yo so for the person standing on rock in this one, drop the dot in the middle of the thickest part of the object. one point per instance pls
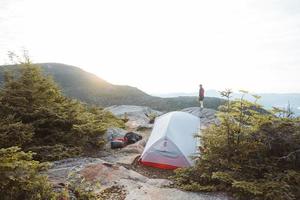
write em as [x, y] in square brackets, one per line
[201, 95]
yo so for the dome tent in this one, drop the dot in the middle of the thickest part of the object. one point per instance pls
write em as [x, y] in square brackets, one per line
[172, 141]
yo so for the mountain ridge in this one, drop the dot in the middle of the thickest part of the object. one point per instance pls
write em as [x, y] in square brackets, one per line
[89, 88]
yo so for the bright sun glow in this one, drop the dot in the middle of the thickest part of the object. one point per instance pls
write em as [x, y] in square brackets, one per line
[163, 46]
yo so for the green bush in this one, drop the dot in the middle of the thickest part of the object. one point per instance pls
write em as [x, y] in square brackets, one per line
[55, 152]
[14, 133]
[251, 154]
[20, 177]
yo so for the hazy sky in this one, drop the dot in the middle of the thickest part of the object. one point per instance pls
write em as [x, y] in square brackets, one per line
[163, 46]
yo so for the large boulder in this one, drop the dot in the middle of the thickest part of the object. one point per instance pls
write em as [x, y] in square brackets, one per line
[207, 116]
[138, 116]
[103, 176]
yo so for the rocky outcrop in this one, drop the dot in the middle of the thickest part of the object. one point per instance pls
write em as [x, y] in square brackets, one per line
[138, 116]
[108, 175]
[207, 116]
[112, 177]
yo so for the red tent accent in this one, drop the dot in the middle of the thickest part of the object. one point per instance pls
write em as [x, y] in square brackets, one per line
[159, 165]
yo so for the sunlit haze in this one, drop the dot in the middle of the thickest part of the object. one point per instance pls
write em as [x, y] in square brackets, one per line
[163, 46]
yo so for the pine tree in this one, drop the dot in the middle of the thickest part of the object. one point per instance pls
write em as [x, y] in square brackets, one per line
[36, 116]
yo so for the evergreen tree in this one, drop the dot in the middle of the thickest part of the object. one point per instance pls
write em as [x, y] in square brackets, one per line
[36, 116]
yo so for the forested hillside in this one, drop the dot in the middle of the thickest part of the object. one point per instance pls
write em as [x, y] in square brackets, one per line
[91, 89]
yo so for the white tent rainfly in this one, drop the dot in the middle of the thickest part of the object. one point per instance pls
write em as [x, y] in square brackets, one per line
[172, 142]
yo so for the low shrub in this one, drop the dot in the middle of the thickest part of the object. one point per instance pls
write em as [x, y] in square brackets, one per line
[20, 176]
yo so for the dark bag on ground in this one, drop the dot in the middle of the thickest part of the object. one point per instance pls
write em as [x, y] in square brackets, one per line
[118, 143]
[132, 137]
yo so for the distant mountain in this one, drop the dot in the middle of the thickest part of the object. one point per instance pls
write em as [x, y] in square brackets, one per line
[89, 88]
[268, 100]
